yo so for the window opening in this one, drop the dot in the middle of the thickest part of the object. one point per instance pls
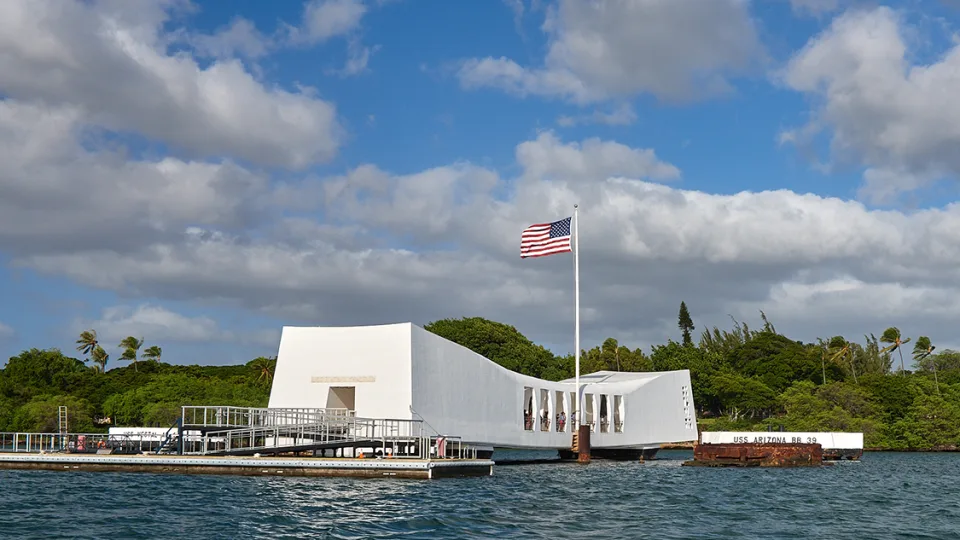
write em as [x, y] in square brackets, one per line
[561, 419]
[528, 408]
[574, 410]
[618, 414]
[589, 410]
[604, 418]
[544, 410]
[342, 397]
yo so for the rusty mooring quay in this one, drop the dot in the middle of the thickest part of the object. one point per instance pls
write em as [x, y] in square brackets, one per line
[252, 466]
[757, 455]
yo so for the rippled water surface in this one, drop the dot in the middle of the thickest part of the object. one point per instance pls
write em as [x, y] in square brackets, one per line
[884, 496]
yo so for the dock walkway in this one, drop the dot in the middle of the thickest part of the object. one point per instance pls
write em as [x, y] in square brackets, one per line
[243, 431]
[252, 466]
[245, 440]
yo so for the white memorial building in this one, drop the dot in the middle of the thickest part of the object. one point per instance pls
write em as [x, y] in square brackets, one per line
[401, 371]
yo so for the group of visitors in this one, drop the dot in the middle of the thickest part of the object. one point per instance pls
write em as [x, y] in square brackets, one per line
[561, 421]
[544, 417]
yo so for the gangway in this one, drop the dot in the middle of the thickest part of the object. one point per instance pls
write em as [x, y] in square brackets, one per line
[241, 431]
[206, 418]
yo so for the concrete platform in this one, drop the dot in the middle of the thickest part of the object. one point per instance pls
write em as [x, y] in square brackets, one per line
[252, 466]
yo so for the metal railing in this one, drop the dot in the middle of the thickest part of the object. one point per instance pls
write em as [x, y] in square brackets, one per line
[207, 416]
[394, 438]
[330, 431]
[208, 430]
[73, 442]
[32, 442]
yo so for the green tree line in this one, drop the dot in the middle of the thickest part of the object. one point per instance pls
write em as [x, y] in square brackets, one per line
[145, 392]
[758, 379]
[743, 379]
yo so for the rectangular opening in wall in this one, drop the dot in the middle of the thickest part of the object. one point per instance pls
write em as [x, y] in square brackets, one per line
[687, 411]
[618, 414]
[342, 397]
[574, 410]
[528, 408]
[588, 406]
[604, 414]
[544, 410]
[561, 415]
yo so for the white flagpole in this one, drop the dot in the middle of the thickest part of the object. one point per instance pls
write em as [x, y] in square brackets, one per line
[576, 296]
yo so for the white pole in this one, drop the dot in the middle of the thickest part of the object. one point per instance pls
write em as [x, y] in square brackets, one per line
[576, 297]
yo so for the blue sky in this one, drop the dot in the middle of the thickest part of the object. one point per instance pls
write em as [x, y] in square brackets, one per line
[212, 171]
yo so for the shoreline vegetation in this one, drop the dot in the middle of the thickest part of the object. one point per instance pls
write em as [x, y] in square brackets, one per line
[747, 379]
[744, 379]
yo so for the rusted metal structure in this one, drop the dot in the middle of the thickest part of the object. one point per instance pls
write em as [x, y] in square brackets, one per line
[582, 444]
[841, 454]
[836, 445]
[757, 455]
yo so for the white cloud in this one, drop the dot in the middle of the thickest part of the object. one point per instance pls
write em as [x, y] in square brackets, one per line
[154, 321]
[358, 56]
[324, 19]
[321, 21]
[895, 118]
[6, 332]
[239, 38]
[108, 62]
[370, 246]
[623, 115]
[444, 243]
[56, 194]
[517, 7]
[815, 7]
[592, 160]
[157, 324]
[622, 48]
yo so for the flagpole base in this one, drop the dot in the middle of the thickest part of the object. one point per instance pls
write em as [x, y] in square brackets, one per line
[583, 444]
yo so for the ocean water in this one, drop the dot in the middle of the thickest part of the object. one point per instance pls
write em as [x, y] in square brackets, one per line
[883, 496]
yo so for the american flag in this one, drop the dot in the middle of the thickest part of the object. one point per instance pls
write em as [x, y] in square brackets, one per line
[545, 239]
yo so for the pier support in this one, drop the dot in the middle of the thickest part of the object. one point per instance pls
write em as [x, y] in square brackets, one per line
[583, 444]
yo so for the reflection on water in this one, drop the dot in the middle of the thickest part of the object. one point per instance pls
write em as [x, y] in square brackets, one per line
[884, 496]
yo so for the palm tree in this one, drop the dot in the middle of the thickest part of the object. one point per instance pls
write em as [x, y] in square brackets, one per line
[129, 355]
[100, 358]
[131, 346]
[870, 359]
[922, 349]
[152, 352]
[843, 350]
[88, 341]
[892, 336]
[823, 360]
[610, 348]
[264, 367]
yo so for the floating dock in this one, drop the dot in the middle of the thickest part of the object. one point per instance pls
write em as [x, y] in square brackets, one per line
[252, 466]
[254, 441]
